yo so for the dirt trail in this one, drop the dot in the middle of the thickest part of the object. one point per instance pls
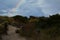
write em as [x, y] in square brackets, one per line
[12, 35]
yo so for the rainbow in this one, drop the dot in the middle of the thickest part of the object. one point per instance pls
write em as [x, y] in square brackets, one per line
[13, 10]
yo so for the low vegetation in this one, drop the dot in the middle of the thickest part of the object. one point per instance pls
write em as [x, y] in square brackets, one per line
[36, 28]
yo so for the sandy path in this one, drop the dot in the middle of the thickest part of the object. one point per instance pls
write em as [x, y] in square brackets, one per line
[12, 35]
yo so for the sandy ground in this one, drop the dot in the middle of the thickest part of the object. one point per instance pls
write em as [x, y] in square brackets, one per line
[12, 35]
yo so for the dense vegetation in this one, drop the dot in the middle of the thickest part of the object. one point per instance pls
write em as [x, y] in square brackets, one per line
[37, 28]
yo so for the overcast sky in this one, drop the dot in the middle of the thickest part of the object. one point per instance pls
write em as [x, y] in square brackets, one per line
[29, 7]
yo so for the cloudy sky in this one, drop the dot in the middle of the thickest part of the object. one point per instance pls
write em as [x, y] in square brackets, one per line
[29, 7]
